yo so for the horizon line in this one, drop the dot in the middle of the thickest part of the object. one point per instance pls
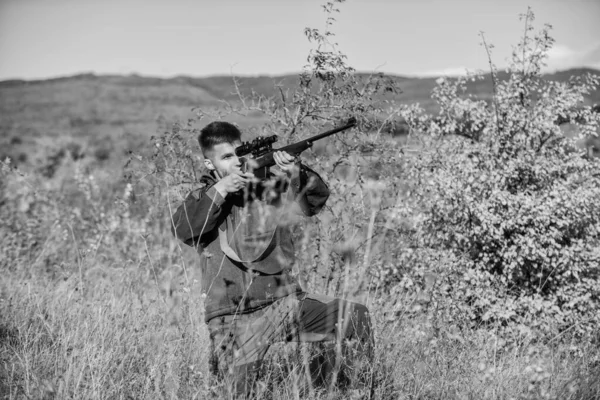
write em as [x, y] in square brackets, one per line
[425, 75]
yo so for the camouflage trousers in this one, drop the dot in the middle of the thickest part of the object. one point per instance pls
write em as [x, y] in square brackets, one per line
[240, 342]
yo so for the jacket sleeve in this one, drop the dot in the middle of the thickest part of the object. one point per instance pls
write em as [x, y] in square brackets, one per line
[309, 191]
[197, 218]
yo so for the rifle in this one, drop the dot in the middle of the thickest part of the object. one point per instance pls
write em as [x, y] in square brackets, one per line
[262, 150]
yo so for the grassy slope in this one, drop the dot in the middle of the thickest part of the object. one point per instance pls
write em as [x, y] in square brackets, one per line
[114, 105]
[106, 311]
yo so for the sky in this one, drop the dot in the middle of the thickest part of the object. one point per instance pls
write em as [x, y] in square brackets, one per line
[51, 38]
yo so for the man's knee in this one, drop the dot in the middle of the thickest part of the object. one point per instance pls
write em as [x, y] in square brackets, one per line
[362, 320]
[357, 321]
[361, 312]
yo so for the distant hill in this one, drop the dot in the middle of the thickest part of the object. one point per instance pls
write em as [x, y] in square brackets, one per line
[112, 108]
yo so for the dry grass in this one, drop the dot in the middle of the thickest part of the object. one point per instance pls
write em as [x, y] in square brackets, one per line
[117, 334]
[97, 301]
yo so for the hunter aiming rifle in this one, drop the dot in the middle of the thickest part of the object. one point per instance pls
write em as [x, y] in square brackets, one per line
[261, 149]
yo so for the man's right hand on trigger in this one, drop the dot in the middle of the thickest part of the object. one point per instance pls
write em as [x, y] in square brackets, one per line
[233, 182]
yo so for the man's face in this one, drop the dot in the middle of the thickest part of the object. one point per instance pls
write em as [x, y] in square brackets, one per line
[222, 158]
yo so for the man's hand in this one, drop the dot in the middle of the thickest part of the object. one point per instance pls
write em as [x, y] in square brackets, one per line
[285, 162]
[233, 182]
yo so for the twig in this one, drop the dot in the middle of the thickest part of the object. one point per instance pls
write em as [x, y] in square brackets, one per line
[494, 81]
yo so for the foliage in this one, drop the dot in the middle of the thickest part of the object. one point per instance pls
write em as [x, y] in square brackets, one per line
[474, 242]
[505, 194]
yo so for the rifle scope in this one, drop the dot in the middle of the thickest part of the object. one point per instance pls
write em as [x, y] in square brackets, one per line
[256, 146]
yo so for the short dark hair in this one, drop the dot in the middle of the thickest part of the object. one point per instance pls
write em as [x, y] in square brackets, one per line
[217, 132]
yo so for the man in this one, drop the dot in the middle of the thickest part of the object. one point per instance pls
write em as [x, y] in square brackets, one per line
[241, 229]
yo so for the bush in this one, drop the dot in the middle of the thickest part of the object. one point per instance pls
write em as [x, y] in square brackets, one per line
[510, 199]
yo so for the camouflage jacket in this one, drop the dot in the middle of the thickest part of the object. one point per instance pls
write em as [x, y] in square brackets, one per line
[244, 240]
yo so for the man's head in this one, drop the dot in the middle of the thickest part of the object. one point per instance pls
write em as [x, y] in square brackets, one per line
[218, 141]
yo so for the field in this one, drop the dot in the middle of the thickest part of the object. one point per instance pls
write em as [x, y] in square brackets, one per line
[105, 116]
[99, 301]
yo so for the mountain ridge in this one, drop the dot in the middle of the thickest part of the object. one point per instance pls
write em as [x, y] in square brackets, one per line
[218, 88]
[92, 75]
[138, 78]
[114, 112]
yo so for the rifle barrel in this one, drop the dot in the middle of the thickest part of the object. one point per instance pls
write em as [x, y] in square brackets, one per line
[266, 160]
[350, 124]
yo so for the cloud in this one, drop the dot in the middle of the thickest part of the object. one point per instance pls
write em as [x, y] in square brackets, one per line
[560, 57]
[452, 71]
[592, 57]
[564, 57]
[561, 52]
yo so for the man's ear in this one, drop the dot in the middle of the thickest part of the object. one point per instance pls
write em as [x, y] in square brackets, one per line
[209, 164]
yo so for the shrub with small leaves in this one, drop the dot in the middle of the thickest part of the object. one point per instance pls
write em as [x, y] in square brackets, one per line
[511, 197]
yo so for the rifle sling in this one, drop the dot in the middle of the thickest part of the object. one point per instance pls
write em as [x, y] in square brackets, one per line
[229, 252]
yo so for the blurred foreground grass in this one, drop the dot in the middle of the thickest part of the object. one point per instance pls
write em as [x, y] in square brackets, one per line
[120, 333]
[98, 301]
